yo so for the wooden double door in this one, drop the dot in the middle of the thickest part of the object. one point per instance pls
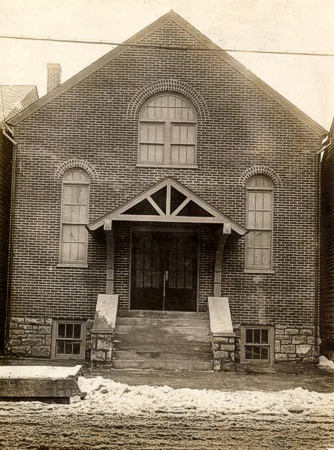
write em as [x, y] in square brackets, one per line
[164, 271]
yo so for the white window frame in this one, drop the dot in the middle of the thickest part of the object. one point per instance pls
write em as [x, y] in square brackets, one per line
[269, 345]
[167, 135]
[260, 189]
[56, 337]
[69, 263]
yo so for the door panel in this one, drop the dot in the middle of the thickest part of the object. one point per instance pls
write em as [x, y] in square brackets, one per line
[164, 271]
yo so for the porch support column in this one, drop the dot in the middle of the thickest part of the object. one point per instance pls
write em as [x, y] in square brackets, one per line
[222, 234]
[110, 256]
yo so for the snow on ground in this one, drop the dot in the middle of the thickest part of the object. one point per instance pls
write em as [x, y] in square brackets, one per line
[38, 372]
[324, 362]
[110, 397]
[105, 396]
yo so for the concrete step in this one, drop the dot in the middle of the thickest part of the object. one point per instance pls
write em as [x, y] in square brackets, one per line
[170, 338]
[162, 364]
[144, 354]
[163, 321]
[164, 347]
[157, 330]
[163, 314]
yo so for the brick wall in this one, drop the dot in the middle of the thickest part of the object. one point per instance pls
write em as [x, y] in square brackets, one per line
[5, 183]
[327, 248]
[242, 127]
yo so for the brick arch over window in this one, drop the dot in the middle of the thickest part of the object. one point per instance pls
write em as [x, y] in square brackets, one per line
[173, 86]
[260, 170]
[76, 164]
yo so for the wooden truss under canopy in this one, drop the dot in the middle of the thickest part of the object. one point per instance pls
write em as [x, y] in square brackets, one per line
[168, 201]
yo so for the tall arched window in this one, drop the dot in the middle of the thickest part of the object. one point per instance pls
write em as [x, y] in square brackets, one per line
[167, 132]
[260, 192]
[74, 218]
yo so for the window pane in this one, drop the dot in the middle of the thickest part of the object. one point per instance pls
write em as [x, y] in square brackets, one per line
[60, 347]
[264, 352]
[69, 330]
[76, 348]
[249, 336]
[68, 348]
[264, 337]
[257, 338]
[77, 331]
[248, 352]
[61, 330]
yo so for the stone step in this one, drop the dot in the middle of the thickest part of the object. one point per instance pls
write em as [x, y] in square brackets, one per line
[164, 321]
[157, 330]
[144, 354]
[167, 347]
[163, 314]
[170, 338]
[162, 364]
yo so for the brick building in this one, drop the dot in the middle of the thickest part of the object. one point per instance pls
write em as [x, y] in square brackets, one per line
[160, 180]
[13, 98]
[327, 248]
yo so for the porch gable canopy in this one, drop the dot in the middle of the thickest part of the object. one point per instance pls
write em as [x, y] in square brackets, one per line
[167, 201]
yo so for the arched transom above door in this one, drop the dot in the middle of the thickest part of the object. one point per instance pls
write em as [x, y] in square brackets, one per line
[167, 201]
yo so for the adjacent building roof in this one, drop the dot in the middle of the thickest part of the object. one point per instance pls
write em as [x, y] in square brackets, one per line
[172, 16]
[14, 98]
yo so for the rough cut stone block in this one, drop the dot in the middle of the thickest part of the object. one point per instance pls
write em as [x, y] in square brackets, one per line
[291, 331]
[48, 322]
[298, 339]
[303, 350]
[44, 329]
[306, 331]
[98, 355]
[40, 351]
[17, 320]
[221, 355]
[216, 365]
[32, 341]
[215, 346]
[21, 350]
[288, 349]
[310, 340]
[35, 320]
[227, 347]
[281, 357]
[277, 346]
[104, 343]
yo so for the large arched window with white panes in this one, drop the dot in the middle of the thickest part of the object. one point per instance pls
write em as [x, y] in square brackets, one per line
[167, 132]
[260, 196]
[74, 217]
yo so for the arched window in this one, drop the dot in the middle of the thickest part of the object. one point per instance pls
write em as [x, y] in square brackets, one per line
[167, 132]
[74, 217]
[260, 192]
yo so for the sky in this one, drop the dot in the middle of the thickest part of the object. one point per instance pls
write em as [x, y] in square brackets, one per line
[276, 25]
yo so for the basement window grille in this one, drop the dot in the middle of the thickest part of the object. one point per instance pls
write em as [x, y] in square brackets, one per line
[68, 340]
[257, 344]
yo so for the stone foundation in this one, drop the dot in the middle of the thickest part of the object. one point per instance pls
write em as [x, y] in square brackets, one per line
[30, 337]
[102, 344]
[223, 348]
[296, 344]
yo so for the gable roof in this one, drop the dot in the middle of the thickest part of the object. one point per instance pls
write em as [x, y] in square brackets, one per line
[173, 16]
[14, 98]
[167, 201]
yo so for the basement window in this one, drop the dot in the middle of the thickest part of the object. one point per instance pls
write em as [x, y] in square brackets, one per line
[257, 344]
[68, 339]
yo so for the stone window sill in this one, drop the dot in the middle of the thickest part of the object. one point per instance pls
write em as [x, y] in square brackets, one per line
[259, 271]
[72, 266]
